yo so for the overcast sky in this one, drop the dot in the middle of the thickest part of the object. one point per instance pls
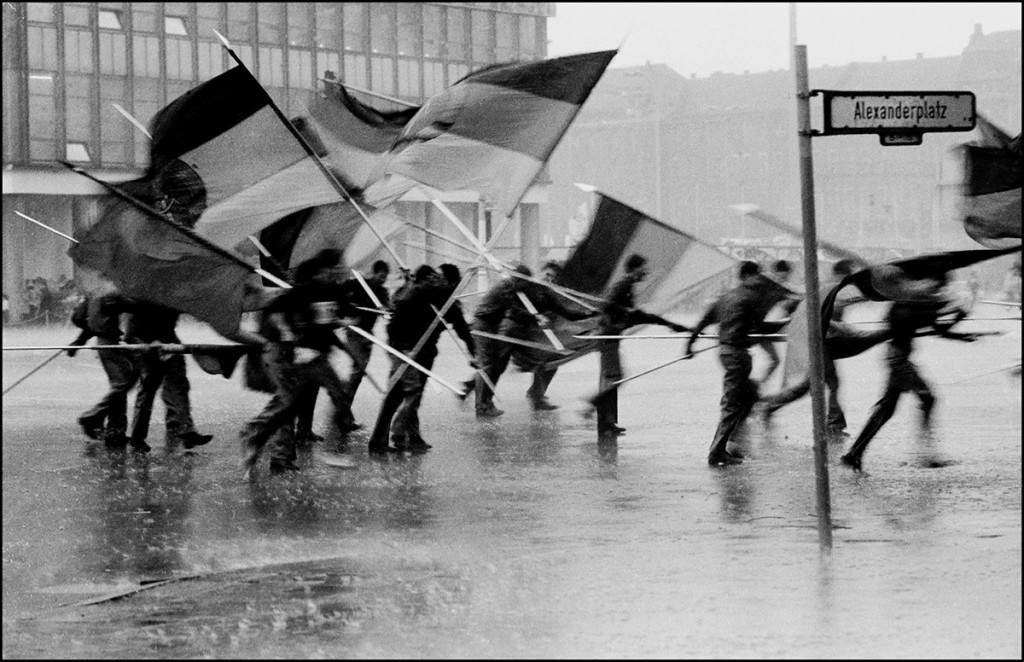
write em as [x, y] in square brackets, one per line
[703, 38]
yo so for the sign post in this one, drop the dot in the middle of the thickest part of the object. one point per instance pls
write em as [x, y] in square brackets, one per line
[898, 118]
[813, 300]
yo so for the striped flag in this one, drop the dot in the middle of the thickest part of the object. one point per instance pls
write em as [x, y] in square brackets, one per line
[252, 168]
[150, 261]
[356, 136]
[990, 206]
[677, 262]
[492, 131]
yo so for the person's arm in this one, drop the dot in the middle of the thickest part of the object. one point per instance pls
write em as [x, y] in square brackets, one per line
[637, 317]
[458, 322]
[710, 317]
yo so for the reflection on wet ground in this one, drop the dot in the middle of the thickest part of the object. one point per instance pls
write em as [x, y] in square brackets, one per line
[522, 536]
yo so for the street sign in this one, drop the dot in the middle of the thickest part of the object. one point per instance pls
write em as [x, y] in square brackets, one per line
[897, 112]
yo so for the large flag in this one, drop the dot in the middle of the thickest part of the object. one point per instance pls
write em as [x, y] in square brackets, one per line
[676, 261]
[146, 259]
[253, 169]
[898, 280]
[990, 206]
[356, 136]
[492, 131]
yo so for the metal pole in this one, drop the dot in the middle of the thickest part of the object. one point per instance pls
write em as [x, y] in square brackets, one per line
[813, 299]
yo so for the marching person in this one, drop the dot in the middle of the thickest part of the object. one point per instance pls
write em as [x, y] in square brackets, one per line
[836, 344]
[781, 298]
[492, 354]
[414, 309]
[299, 332]
[99, 317]
[917, 304]
[739, 313]
[619, 313]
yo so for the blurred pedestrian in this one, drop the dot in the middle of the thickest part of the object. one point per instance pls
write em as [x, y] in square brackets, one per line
[739, 313]
[618, 314]
[777, 298]
[100, 316]
[917, 304]
[300, 333]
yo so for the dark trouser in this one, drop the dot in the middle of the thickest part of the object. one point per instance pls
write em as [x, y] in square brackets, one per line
[773, 359]
[359, 350]
[541, 379]
[295, 382]
[165, 373]
[399, 413]
[903, 376]
[607, 402]
[123, 374]
[739, 394]
[492, 356]
[836, 417]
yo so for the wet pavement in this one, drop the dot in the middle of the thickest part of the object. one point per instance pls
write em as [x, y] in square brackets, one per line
[522, 536]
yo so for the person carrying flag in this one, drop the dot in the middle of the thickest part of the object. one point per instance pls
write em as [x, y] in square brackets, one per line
[619, 313]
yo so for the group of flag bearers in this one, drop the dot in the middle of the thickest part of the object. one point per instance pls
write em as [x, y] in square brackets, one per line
[173, 238]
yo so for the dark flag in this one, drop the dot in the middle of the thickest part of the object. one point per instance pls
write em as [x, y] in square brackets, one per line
[146, 259]
[991, 202]
[492, 131]
[253, 169]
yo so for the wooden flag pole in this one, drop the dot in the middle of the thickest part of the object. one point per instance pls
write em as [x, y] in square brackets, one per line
[33, 371]
[44, 225]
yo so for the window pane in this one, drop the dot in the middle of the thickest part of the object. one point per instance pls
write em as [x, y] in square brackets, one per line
[240, 21]
[109, 20]
[175, 25]
[433, 31]
[410, 29]
[143, 16]
[114, 129]
[211, 60]
[77, 152]
[76, 13]
[483, 46]
[506, 28]
[382, 28]
[40, 11]
[42, 125]
[209, 19]
[179, 59]
[78, 108]
[355, 70]
[146, 56]
[354, 24]
[300, 31]
[382, 71]
[409, 79]
[42, 48]
[300, 69]
[433, 78]
[113, 55]
[270, 18]
[457, 41]
[78, 50]
[271, 66]
[328, 26]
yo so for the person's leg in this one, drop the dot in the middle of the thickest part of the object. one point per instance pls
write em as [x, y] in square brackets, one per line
[382, 426]
[773, 360]
[607, 401]
[880, 414]
[836, 416]
[494, 356]
[537, 394]
[151, 376]
[734, 402]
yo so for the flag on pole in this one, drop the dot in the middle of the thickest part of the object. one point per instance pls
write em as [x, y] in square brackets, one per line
[492, 131]
[253, 169]
[148, 260]
[990, 207]
[676, 261]
[355, 135]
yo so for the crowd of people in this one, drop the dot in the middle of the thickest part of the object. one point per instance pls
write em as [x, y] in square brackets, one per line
[43, 303]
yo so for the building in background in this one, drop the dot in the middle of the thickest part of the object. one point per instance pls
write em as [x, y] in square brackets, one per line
[687, 149]
[66, 64]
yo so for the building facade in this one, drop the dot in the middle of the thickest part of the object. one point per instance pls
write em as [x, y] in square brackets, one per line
[66, 65]
[688, 149]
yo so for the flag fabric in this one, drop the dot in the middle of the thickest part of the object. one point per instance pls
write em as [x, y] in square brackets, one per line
[355, 135]
[898, 280]
[492, 131]
[146, 259]
[676, 261]
[253, 169]
[990, 206]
